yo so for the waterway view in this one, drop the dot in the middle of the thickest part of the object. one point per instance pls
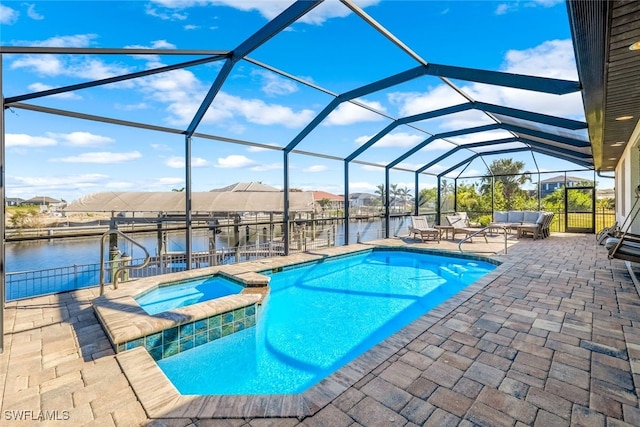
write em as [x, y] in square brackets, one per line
[37, 267]
[62, 252]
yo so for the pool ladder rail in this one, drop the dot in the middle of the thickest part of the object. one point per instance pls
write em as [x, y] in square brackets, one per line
[122, 268]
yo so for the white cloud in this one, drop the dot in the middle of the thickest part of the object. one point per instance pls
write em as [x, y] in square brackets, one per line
[259, 149]
[191, 27]
[31, 12]
[54, 65]
[412, 103]
[67, 184]
[164, 15]
[268, 9]
[68, 65]
[235, 161]
[259, 112]
[103, 157]
[553, 59]
[23, 140]
[361, 187]
[40, 87]
[398, 139]
[81, 139]
[348, 113]
[49, 65]
[267, 167]
[371, 168]
[505, 8]
[332, 9]
[410, 166]
[274, 85]
[132, 107]
[120, 185]
[163, 182]
[514, 6]
[315, 168]
[183, 92]
[78, 40]
[481, 136]
[160, 147]
[152, 60]
[8, 16]
[178, 162]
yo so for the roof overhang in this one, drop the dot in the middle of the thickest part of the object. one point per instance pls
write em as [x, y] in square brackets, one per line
[602, 33]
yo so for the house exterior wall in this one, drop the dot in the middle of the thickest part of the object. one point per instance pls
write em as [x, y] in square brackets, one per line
[627, 179]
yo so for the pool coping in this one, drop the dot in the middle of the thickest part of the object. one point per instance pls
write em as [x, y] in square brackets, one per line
[160, 398]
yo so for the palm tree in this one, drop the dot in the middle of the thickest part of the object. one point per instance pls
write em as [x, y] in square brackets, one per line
[445, 189]
[393, 193]
[405, 195]
[380, 190]
[510, 174]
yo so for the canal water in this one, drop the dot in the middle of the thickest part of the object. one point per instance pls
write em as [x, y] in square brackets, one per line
[65, 252]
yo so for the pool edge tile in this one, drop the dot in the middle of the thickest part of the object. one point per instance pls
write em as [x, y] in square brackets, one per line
[161, 398]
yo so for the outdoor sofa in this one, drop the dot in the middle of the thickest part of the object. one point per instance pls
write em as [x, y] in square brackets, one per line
[535, 223]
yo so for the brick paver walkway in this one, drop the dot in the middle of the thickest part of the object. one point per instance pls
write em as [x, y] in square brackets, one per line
[553, 340]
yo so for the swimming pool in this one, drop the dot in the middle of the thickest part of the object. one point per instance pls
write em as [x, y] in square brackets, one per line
[320, 316]
[185, 293]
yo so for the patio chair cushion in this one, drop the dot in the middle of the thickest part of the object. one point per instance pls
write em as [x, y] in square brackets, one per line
[530, 217]
[454, 220]
[541, 217]
[515, 216]
[499, 216]
[612, 241]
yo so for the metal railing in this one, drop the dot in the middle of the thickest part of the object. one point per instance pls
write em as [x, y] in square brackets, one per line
[328, 232]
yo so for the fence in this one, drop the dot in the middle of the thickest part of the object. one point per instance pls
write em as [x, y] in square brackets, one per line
[305, 235]
[48, 281]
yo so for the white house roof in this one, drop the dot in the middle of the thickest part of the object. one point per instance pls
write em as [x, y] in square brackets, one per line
[174, 202]
[247, 186]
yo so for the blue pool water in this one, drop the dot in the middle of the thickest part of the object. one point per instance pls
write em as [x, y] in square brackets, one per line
[182, 294]
[318, 318]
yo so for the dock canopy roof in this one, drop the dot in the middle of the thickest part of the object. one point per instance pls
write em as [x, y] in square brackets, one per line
[174, 202]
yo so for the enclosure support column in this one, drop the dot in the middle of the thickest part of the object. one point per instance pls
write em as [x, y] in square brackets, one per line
[346, 202]
[387, 221]
[455, 195]
[438, 201]
[416, 207]
[540, 198]
[187, 207]
[493, 201]
[2, 218]
[285, 215]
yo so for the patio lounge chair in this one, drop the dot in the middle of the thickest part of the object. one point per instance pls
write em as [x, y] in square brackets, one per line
[465, 219]
[460, 226]
[626, 247]
[605, 233]
[420, 226]
[538, 229]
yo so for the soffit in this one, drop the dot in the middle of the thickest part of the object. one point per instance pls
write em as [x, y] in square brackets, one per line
[602, 33]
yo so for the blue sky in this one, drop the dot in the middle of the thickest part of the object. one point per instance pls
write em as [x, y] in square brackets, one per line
[330, 47]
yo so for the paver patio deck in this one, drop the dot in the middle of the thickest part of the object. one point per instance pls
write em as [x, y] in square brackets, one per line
[553, 339]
